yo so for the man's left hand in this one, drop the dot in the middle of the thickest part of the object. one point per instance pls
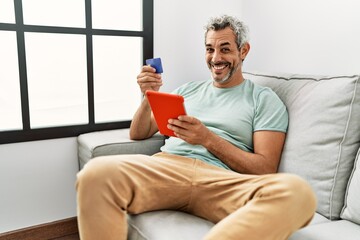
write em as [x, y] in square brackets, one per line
[189, 129]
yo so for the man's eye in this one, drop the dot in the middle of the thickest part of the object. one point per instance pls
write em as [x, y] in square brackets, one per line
[225, 50]
[210, 50]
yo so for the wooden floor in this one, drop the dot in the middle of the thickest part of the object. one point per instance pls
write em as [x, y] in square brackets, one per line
[65, 229]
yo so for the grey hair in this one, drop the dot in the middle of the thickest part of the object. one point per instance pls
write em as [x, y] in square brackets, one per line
[240, 30]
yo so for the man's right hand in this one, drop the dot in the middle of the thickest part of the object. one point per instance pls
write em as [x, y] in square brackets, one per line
[143, 124]
[148, 79]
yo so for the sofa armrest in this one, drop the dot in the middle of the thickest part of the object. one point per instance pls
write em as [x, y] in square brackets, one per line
[113, 142]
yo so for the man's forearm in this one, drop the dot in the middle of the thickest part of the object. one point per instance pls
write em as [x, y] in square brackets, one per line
[236, 158]
[141, 126]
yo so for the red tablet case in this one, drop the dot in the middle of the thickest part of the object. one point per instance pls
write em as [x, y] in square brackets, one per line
[165, 106]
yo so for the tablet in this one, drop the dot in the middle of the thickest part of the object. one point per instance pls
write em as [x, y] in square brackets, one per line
[164, 107]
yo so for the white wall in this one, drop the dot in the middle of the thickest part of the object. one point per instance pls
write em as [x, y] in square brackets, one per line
[308, 36]
[37, 182]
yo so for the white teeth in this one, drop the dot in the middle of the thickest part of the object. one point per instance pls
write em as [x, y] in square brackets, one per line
[219, 67]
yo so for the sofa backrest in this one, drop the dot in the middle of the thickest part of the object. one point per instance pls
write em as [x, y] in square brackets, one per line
[324, 131]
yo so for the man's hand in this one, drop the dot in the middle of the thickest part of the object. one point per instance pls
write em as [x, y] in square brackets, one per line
[143, 124]
[189, 129]
[148, 79]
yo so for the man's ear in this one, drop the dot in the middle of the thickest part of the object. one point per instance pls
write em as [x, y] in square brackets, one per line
[244, 51]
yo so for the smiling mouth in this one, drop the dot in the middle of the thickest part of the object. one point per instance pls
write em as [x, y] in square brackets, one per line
[219, 66]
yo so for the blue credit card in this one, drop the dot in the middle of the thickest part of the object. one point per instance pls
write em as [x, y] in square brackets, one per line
[155, 63]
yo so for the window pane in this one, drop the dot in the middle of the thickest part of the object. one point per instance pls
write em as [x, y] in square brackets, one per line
[117, 14]
[51, 13]
[117, 62]
[10, 104]
[7, 12]
[57, 79]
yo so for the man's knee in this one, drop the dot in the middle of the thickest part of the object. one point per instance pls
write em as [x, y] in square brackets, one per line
[102, 173]
[298, 192]
[94, 172]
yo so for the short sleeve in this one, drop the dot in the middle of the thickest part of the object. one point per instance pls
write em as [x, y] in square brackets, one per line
[270, 112]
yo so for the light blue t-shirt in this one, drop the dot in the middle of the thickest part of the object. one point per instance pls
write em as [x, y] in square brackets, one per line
[232, 113]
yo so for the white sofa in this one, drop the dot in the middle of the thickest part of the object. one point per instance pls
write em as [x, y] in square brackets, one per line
[322, 146]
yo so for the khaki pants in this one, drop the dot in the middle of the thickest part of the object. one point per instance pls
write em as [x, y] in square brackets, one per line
[243, 206]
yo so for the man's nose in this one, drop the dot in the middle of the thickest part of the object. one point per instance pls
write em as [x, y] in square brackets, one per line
[216, 57]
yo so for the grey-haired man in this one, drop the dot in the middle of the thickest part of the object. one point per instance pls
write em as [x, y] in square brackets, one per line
[221, 165]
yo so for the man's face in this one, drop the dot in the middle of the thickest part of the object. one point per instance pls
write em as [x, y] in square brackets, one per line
[222, 55]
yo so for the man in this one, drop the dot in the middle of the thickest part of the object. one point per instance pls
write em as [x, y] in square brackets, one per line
[221, 166]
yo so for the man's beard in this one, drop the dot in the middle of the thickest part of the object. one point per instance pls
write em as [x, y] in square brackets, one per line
[227, 77]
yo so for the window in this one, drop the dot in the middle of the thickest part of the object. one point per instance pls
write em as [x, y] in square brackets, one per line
[70, 66]
[10, 110]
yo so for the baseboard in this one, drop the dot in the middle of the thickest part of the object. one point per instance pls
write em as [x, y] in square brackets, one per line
[44, 231]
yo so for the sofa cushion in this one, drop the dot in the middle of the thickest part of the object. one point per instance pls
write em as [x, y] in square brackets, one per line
[174, 225]
[324, 131]
[114, 142]
[166, 224]
[334, 230]
[351, 209]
